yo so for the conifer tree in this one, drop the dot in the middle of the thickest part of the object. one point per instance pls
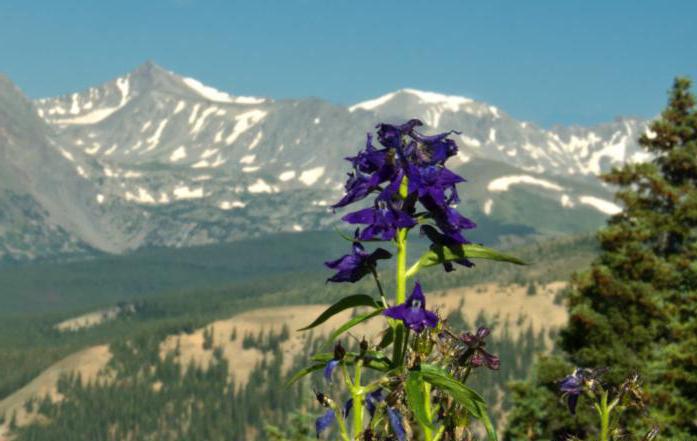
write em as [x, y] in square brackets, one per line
[634, 309]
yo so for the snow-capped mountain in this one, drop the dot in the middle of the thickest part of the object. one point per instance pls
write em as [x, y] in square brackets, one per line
[169, 161]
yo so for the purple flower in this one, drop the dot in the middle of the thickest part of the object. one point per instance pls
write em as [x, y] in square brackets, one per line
[383, 221]
[352, 267]
[339, 353]
[432, 182]
[476, 355]
[322, 423]
[572, 386]
[413, 312]
[391, 135]
[396, 423]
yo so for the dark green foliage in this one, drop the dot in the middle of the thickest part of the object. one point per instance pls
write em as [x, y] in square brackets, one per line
[634, 309]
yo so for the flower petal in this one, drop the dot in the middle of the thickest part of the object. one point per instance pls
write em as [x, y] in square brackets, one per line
[323, 422]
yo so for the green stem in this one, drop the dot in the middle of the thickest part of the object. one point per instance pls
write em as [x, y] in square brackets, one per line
[377, 281]
[401, 279]
[357, 394]
[604, 413]
[439, 433]
[428, 433]
[340, 422]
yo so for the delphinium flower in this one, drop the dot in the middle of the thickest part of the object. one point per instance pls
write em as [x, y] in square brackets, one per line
[413, 312]
[572, 386]
[406, 155]
[339, 353]
[353, 267]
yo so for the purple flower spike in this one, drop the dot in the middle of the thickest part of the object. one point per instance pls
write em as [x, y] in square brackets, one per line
[413, 312]
[322, 423]
[352, 267]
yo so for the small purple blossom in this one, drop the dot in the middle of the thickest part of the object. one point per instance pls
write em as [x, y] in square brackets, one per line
[353, 267]
[475, 354]
[383, 221]
[413, 312]
[572, 386]
[322, 423]
[396, 423]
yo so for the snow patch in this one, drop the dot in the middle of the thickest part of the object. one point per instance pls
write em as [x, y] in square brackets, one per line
[180, 107]
[95, 148]
[208, 153]
[184, 192]
[255, 141]
[247, 159]
[229, 205]
[178, 154]
[213, 94]
[260, 186]
[286, 175]
[470, 141]
[202, 119]
[309, 177]
[503, 183]
[143, 197]
[154, 140]
[316, 121]
[67, 155]
[488, 205]
[599, 204]
[297, 227]
[100, 198]
[250, 169]
[566, 201]
[243, 122]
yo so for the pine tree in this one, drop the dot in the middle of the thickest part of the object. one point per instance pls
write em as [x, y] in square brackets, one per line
[634, 309]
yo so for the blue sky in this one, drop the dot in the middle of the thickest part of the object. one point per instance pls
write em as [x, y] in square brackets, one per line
[546, 61]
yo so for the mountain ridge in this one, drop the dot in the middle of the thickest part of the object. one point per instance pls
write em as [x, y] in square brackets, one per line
[173, 162]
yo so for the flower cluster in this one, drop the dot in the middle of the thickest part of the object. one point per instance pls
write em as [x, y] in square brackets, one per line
[409, 168]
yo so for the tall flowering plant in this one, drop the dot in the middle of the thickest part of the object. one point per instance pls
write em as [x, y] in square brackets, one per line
[420, 365]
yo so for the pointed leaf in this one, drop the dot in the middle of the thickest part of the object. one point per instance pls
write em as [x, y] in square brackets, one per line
[441, 254]
[415, 398]
[302, 372]
[343, 304]
[350, 324]
[461, 393]
[484, 416]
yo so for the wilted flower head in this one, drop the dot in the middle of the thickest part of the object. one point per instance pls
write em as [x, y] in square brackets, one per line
[475, 355]
[413, 312]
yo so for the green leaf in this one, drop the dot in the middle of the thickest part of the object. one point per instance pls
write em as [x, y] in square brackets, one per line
[343, 304]
[464, 395]
[415, 398]
[484, 416]
[441, 254]
[302, 372]
[350, 324]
